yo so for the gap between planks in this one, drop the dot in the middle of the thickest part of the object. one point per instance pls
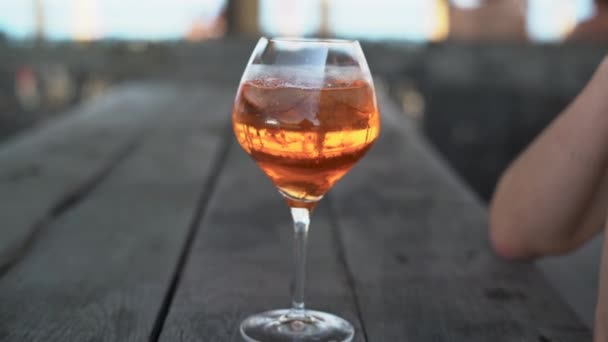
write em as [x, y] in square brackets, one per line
[208, 188]
[66, 202]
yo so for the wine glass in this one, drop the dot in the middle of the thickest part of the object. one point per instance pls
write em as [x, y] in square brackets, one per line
[305, 112]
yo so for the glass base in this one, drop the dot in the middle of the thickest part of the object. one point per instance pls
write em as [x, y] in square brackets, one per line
[281, 325]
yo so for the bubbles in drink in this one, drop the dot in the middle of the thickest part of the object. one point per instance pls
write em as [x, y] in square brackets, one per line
[306, 133]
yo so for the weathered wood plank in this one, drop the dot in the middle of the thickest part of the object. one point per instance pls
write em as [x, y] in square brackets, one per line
[240, 263]
[415, 241]
[43, 171]
[576, 277]
[101, 271]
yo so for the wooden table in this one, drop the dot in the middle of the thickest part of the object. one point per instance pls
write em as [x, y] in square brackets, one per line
[137, 217]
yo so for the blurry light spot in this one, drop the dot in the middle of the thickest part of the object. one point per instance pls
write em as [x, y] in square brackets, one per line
[413, 103]
[26, 88]
[86, 23]
[466, 4]
[550, 20]
[289, 17]
[414, 20]
[441, 28]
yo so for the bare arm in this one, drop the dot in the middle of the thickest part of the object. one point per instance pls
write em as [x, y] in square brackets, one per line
[555, 195]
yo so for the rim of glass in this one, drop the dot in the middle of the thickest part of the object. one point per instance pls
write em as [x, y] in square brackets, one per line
[312, 40]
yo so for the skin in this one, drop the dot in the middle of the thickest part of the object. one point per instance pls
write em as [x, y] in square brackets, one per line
[554, 197]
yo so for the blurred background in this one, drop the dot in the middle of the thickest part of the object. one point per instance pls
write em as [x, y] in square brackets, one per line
[479, 77]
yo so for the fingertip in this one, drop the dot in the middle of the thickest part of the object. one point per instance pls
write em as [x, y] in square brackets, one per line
[500, 247]
[503, 241]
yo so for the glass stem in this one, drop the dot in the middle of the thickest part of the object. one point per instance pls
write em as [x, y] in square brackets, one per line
[301, 222]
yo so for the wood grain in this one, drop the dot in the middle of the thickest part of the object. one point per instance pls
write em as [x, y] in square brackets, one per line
[101, 271]
[415, 241]
[398, 248]
[240, 263]
[47, 169]
[576, 277]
